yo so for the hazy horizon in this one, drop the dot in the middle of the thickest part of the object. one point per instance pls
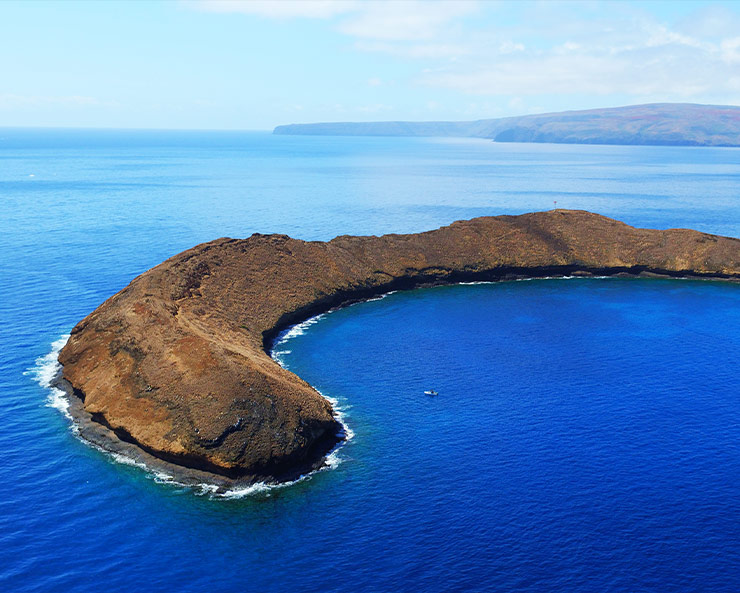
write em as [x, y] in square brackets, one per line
[173, 129]
[253, 65]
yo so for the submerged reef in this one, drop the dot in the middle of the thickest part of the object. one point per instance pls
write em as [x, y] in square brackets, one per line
[175, 369]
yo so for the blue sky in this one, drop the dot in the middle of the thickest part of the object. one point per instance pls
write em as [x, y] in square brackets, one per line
[256, 64]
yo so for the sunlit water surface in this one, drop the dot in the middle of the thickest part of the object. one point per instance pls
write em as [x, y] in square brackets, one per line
[585, 436]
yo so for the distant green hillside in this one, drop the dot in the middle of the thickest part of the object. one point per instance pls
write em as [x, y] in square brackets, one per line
[673, 124]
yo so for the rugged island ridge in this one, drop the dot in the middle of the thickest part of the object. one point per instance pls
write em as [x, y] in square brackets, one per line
[177, 366]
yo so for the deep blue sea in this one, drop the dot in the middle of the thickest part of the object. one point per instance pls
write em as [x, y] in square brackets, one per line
[586, 435]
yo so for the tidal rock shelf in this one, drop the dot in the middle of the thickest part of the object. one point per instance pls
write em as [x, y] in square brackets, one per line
[175, 370]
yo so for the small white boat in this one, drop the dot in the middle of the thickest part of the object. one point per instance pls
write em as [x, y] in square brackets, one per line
[431, 392]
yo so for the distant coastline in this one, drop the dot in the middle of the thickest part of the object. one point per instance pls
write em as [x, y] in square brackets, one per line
[657, 124]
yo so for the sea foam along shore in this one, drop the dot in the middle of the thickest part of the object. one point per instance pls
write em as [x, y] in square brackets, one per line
[46, 372]
[234, 296]
[278, 352]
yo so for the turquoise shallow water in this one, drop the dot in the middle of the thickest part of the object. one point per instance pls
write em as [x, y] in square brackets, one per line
[585, 435]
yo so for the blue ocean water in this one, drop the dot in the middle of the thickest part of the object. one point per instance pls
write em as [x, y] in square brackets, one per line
[585, 436]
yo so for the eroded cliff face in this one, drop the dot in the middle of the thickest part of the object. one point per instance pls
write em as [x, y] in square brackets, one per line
[177, 362]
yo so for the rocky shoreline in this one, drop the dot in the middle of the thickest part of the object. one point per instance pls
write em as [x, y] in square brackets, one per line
[103, 437]
[174, 371]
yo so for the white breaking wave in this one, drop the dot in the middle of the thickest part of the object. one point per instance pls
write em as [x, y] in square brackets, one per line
[277, 355]
[333, 459]
[47, 368]
[533, 279]
[299, 329]
[293, 331]
[252, 489]
[380, 297]
[44, 372]
[340, 414]
[159, 476]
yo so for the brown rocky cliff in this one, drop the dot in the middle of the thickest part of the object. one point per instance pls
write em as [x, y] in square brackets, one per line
[177, 364]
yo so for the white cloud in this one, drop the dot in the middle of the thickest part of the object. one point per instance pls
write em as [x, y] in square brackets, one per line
[531, 76]
[661, 35]
[517, 103]
[535, 49]
[635, 57]
[730, 49]
[280, 9]
[509, 47]
[414, 50]
[374, 108]
[712, 21]
[638, 72]
[390, 20]
[405, 20]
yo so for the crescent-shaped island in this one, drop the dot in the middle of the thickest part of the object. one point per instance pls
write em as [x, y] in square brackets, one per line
[175, 370]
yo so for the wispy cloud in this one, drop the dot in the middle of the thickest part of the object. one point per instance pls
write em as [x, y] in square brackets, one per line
[730, 49]
[405, 20]
[537, 48]
[279, 9]
[374, 108]
[659, 61]
[396, 20]
[416, 51]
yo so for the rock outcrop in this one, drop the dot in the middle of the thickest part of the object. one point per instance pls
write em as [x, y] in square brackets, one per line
[177, 366]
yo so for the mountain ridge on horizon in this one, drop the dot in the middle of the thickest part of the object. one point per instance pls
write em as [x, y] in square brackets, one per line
[663, 124]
